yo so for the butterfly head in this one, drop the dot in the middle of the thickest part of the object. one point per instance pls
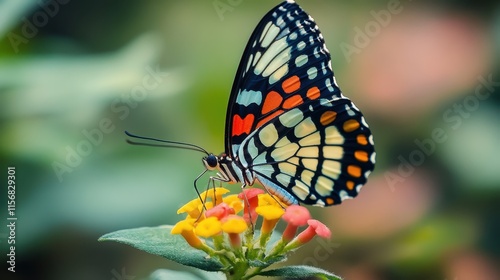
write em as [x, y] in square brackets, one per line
[210, 161]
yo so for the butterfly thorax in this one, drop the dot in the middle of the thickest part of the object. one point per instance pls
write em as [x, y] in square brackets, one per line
[229, 170]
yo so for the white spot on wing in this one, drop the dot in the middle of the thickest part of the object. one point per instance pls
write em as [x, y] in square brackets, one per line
[311, 140]
[329, 84]
[311, 164]
[349, 111]
[264, 31]
[312, 73]
[333, 152]
[247, 97]
[280, 73]
[343, 195]
[331, 169]
[291, 118]
[270, 35]
[268, 135]
[300, 190]
[273, 57]
[301, 45]
[301, 60]
[257, 57]
[251, 148]
[333, 137]
[324, 186]
[304, 128]
[285, 152]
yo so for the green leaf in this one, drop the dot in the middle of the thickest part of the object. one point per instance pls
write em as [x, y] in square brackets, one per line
[301, 271]
[159, 241]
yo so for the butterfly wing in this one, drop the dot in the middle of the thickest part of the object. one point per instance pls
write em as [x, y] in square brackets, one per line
[288, 122]
[318, 154]
[285, 54]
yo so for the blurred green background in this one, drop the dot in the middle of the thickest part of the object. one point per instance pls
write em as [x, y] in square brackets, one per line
[75, 74]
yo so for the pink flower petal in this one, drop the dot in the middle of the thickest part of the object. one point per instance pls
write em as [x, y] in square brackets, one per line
[321, 229]
[296, 215]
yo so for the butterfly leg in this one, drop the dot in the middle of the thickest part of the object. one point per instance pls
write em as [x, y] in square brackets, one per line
[197, 191]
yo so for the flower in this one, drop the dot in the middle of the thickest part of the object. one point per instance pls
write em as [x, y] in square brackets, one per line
[234, 202]
[208, 227]
[232, 237]
[295, 216]
[234, 225]
[186, 229]
[192, 208]
[315, 228]
[220, 211]
[214, 194]
[251, 201]
[271, 215]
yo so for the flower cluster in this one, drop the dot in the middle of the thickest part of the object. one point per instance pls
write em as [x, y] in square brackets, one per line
[223, 227]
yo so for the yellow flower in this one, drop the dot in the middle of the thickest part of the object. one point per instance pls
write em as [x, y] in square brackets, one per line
[233, 225]
[271, 215]
[234, 202]
[208, 227]
[186, 229]
[215, 194]
[267, 199]
[195, 207]
[192, 208]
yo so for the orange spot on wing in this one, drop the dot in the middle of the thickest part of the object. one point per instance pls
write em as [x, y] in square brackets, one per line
[268, 118]
[329, 201]
[350, 185]
[291, 84]
[351, 125]
[313, 93]
[354, 171]
[273, 101]
[293, 102]
[328, 117]
[241, 126]
[361, 139]
[361, 156]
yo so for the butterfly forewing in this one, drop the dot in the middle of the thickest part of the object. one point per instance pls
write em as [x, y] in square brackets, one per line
[285, 64]
[288, 123]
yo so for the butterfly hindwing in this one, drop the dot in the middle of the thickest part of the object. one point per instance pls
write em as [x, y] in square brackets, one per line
[319, 154]
[285, 55]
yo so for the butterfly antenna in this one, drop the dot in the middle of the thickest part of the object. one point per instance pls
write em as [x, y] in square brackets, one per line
[169, 144]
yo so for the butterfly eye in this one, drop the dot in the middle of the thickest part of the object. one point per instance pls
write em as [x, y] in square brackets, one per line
[211, 161]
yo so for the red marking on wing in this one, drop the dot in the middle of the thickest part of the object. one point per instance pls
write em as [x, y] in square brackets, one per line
[291, 84]
[273, 101]
[241, 126]
[268, 118]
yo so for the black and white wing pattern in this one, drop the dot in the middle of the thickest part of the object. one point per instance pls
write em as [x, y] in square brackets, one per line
[288, 123]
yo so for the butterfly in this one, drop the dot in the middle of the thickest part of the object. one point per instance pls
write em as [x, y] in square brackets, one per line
[288, 125]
